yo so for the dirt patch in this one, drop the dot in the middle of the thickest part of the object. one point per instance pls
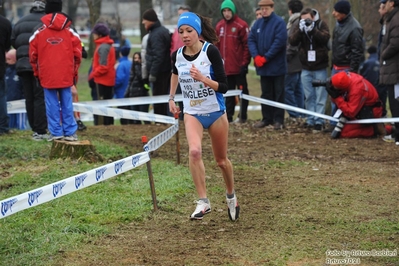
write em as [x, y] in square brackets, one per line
[300, 194]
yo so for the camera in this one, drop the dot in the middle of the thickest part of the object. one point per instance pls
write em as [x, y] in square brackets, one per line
[308, 22]
[321, 83]
[338, 128]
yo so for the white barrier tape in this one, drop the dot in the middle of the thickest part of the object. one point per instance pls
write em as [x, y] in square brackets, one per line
[61, 188]
[300, 110]
[14, 106]
[160, 139]
[286, 107]
[122, 113]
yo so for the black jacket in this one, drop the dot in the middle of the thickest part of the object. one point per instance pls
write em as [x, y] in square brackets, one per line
[347, 44]
[21, 33]
[158, 50]
[5, 44]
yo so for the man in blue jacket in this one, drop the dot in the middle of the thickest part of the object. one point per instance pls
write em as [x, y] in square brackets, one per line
[267, 44]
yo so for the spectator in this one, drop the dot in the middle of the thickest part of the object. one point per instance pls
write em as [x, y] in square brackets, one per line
[122, 72]
[15, 91]
[313, 42]
[56, 64]
[347, 44]
[157, 58]
[33, 92]
[136, 88]
[5, 45]
[203, 106]
[258, 15]
[357, 99]
[267, 44]
[389, 71]
[370, 70]
[176, 44]
[233, 46]
[75, 96]
[103, 68]
[293, 85]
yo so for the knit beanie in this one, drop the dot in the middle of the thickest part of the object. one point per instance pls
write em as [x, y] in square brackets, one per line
[341, 80]
[53, 6]
[190, 19]
[39, 4]
[125, 50]
[150, 15]
[100, 29]
[343, 7]
[228, 4]
[266, 3]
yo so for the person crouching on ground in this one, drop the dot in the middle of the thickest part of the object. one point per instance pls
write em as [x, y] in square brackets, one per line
[357, 99]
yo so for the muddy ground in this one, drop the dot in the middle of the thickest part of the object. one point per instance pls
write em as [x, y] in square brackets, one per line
[300, 194]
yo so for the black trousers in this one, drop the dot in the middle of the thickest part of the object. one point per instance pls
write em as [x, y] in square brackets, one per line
[272, 89]
[237, 82]
[161, 87]
[105, 93]
[34, 101]
[394, 106]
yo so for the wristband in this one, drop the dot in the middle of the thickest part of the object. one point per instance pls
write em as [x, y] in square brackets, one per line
[171, 97]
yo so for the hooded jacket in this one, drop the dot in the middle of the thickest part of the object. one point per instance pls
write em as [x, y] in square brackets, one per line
[55, 52]
[104, 59]
[233, 41]
[21, 33]
[360, 93]
[316, 40]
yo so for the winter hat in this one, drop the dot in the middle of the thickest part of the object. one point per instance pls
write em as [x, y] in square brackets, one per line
[383, 1]
[150, 15]
[266, 3]
[39, 4]
[100, 29]
[190, 19]
[53, 6]
[125, 50]
[372, 50]
[228, 4]
[341, 80]
[343, 7]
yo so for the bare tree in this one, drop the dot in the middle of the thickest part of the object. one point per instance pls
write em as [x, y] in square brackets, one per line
[95, 12]
[72, 7]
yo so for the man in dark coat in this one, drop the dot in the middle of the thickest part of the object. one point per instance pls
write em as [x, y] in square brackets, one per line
[389, 58]
[34, 96]
[5, 45]
[157, 57]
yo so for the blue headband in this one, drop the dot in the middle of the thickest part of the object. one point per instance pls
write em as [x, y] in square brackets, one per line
[190, 19]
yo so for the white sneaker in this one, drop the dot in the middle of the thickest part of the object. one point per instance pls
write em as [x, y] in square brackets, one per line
[201, 209]
[73, 137]
[39, 137]
[51, 137]
[233, 208]
[388, 138]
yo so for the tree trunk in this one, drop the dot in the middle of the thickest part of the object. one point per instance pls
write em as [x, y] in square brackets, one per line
[95, 12]
[77, 150]
[144, 5]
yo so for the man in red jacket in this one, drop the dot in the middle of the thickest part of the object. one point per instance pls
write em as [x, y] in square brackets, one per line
[357, 99]
[233, 46]
[55, 53]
